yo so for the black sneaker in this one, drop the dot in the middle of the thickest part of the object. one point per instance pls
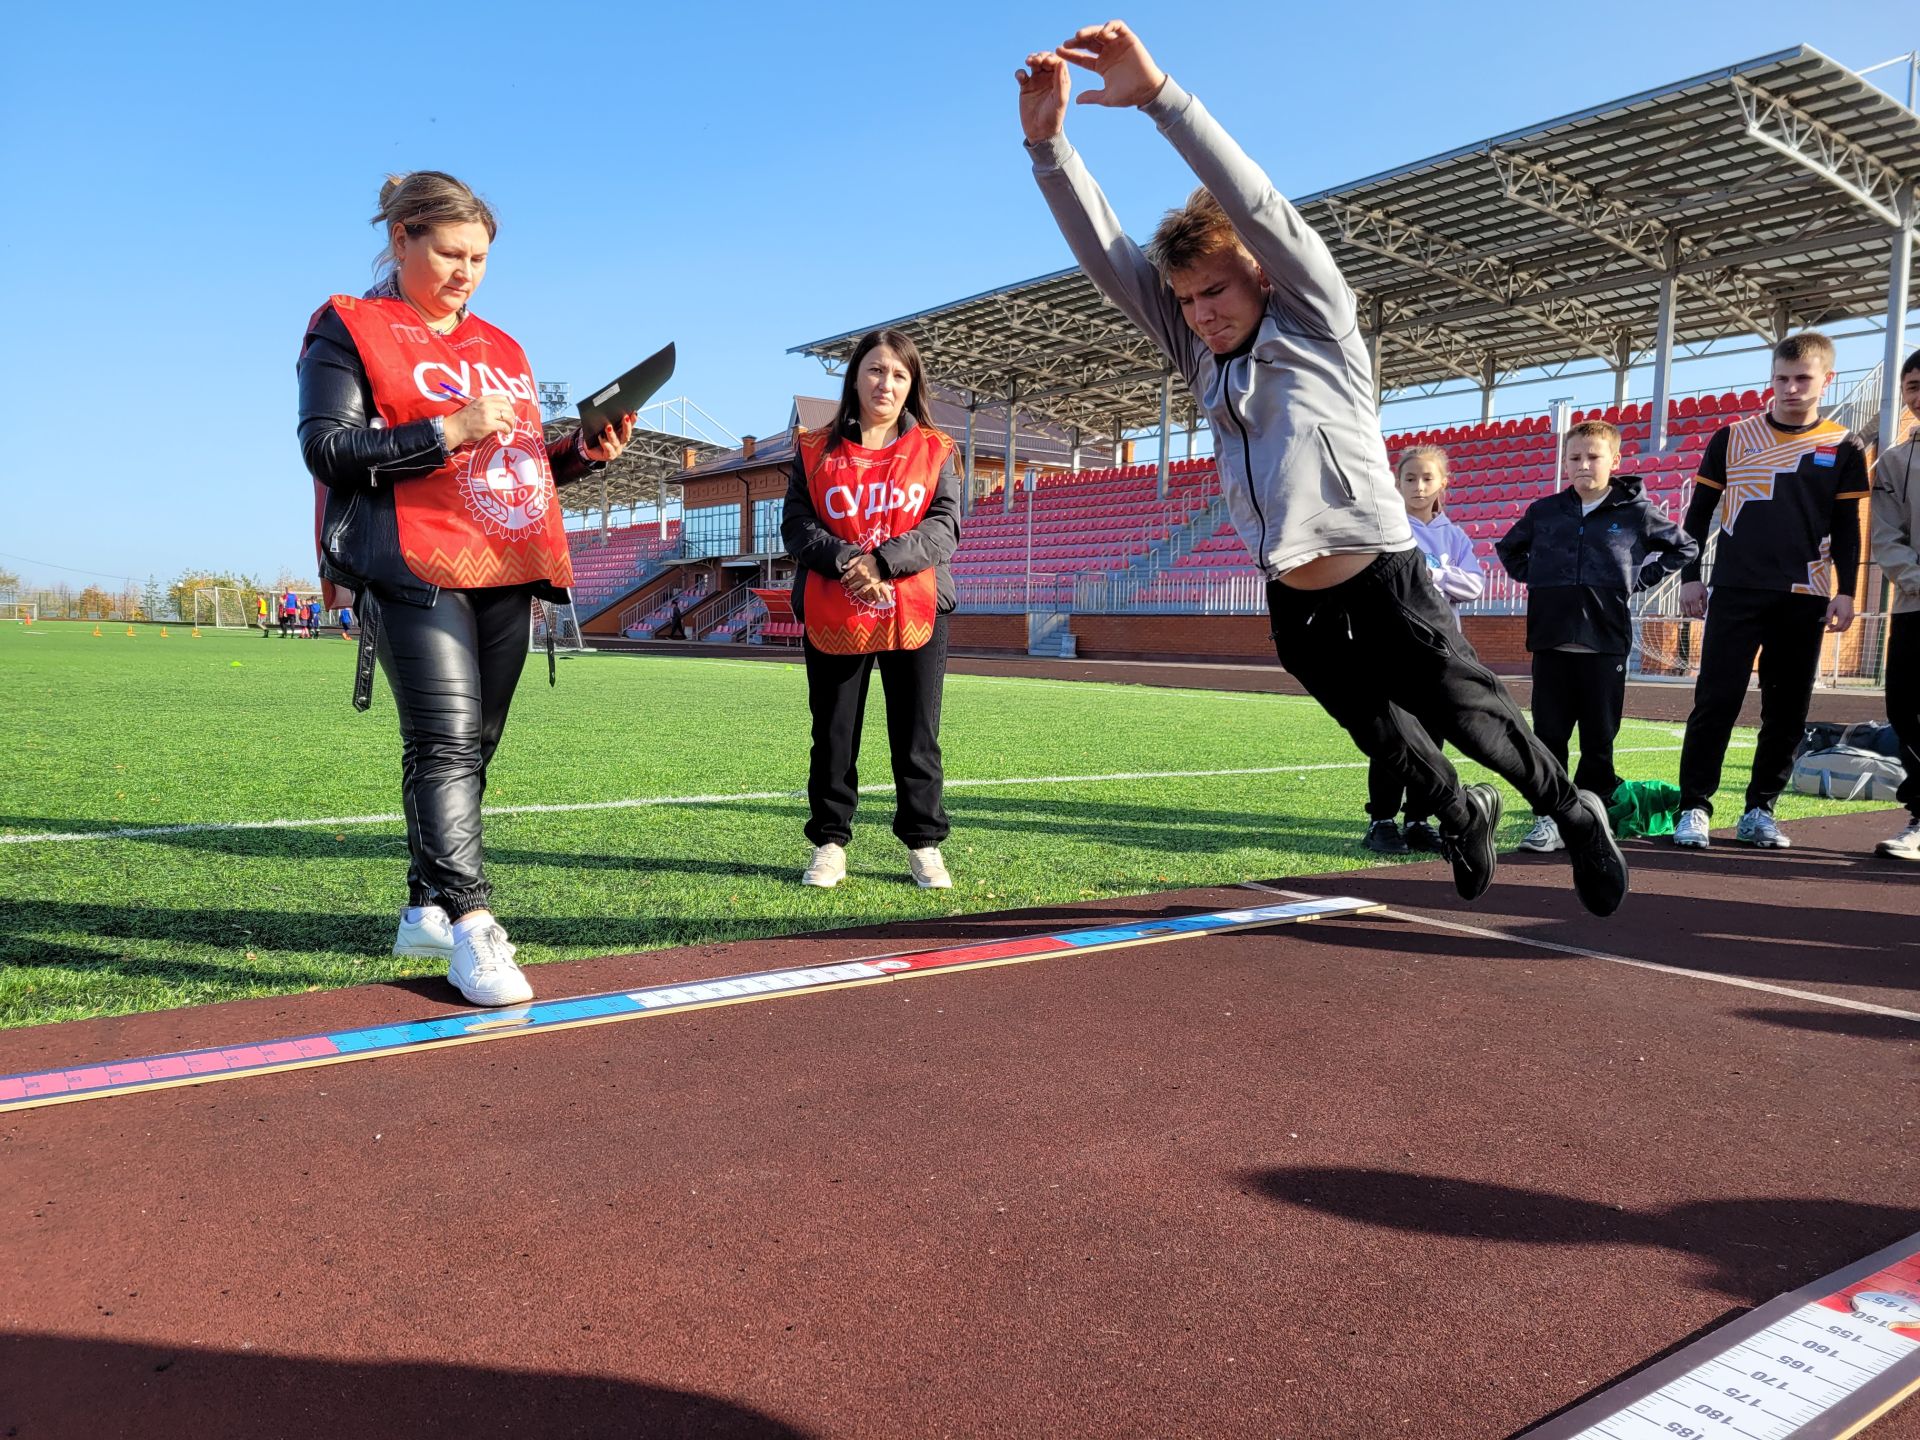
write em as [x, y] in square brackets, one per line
[1383, 838]
[1471, 850]
[1419, 835]
[1599, 869]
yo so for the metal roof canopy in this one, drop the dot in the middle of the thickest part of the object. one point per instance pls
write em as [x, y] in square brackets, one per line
[1757, 199]
[651, 462]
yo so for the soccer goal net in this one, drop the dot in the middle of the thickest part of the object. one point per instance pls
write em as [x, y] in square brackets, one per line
[21, 612]
[223, 607]
[558, 620]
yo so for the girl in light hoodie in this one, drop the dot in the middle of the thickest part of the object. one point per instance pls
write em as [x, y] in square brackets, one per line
[1421, 477]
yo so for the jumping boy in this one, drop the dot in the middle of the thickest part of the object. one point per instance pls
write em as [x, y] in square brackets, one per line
[1582, 555]
[1784, 573]
[1896, 535]
[1246, 302]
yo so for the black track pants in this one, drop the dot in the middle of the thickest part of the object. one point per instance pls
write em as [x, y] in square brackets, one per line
[837, 696]
[1785, 630]
[1903, 701]
[1575, 689]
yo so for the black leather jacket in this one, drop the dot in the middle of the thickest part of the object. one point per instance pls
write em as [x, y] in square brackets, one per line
[359, 465]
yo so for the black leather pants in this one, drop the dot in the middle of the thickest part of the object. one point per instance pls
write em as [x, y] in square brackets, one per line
[452, 667]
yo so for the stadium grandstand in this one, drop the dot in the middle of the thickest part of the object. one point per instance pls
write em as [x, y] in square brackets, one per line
[1704, 219]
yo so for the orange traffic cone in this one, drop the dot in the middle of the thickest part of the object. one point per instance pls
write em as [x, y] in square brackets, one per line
[96, 632]
[163, 632]
[129, 632]
[196, 632]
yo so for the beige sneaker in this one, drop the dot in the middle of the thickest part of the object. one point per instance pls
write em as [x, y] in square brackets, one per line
[929, 870]
[827, 868]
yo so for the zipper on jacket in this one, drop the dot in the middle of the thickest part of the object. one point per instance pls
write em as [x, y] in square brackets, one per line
[1333, 463]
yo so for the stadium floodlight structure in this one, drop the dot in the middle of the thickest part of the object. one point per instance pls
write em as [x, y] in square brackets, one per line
[1678, 223]
[644, 473]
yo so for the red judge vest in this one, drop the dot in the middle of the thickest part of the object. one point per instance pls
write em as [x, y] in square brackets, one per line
[488, 516]
[867, 497]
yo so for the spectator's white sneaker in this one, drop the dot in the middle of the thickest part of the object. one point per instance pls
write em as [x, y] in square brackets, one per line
[1904, 846]
[1757, 828]
[1544, 837]
[827, 868]
[483, 969]
[1691, 829]
[430, 937]
[929, 870]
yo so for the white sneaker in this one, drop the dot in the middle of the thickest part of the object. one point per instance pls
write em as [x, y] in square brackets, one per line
[1757, 828]
[1691, 829]
[430, 937]
[1904, 846]
[1544, 837]
[929, 870]
[483, 969]
[827, 868]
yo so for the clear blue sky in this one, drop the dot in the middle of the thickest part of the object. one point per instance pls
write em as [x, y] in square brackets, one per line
[186, 183]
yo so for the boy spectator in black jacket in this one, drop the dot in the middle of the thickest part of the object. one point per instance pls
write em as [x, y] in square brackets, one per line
[1582, 554]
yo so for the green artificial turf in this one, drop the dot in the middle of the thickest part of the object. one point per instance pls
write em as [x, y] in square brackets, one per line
[109, 733]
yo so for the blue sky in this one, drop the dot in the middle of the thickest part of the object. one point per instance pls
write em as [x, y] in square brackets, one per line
[186, 184]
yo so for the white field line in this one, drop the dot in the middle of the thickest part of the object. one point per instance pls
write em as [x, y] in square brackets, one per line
[639, 802]
[1585, 954]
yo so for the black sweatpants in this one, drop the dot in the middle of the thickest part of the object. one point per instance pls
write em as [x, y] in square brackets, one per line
[837, 695]
[1785, 630]
[1380, 652]
[1903, 701]
[1574, 689]
[453, 667]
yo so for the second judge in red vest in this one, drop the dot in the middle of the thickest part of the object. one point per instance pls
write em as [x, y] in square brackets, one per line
[872, 518]
[421, 426]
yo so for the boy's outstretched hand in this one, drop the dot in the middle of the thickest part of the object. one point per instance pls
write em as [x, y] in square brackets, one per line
[1043, 96]
[1115, 54]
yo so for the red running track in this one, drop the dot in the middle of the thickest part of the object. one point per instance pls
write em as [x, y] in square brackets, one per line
[1364, 1178]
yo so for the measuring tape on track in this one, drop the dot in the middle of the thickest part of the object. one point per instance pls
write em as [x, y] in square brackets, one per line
[1820, 1364]
[100, 1079]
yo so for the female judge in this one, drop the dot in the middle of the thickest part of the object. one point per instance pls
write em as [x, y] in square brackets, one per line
[422, 429]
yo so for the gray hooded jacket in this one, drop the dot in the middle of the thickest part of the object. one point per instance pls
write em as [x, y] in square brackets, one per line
[1896, 522]
[1296, 431]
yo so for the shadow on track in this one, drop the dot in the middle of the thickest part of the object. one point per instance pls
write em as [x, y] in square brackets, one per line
[1757, 1247]
[59, 1388]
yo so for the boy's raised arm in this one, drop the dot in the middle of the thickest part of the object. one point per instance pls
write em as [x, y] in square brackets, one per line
[1093, 232]
[1295, 258]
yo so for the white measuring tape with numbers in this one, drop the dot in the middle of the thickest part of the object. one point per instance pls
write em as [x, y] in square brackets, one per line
[1820, 1364]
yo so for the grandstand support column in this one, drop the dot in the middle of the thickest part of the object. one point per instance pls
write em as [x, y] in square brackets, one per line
[966, 483]
[606, 516]
[1075, 461]
[1489, 367]
[1166, 434]
[1898, 299]
[1663, 350]
[1622, 363]
[1006, 472]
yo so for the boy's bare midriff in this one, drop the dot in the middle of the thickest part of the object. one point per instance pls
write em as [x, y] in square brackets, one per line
[1327, 571]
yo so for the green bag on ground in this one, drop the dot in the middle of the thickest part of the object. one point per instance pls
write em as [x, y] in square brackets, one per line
[1643, 807]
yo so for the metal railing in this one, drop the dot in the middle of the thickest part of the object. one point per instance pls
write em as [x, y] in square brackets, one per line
[738, 607]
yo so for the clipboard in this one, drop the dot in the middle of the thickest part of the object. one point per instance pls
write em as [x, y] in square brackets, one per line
[631, 391]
